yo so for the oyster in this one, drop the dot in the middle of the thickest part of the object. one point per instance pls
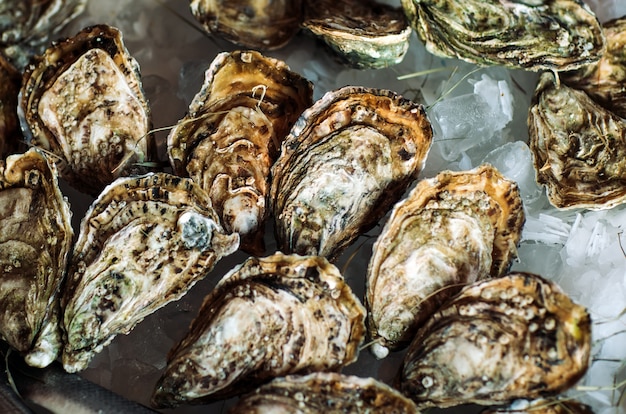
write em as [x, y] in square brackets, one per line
[533, 35]
[26, 26]
[363, 33]
[451, 230]
[542, 406]
[255, 24]
[231, 136]
[579, 148]
[268, 317]
[324, 392]
[10, 136]
[345, 162]
[604, 81]
[518, 336]
[35, 241]
[82, 100]
[143, 243]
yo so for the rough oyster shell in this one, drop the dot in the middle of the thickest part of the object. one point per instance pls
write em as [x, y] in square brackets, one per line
[35, 241]
[518, 336]
[363, 33]
[579, 148]
[231, 136]
[256, 24]
[143, 243]
[345, 162]
[82, 100]
[268, 317]
[533, 35]
[542, 406]
[10, 135]
[451, 230]
[324, 392]
[26, 26]
[604, 81]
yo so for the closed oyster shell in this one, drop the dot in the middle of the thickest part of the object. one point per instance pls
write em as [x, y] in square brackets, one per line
[26, 26]
[269, 317]
[255, 24]
[533, 35]
[231, 136]
[10, 135]
[345, 162]
[82, 100]
[143, 243]
[579, 148]
[604, 81]
[451, 230]
[324, 392]
[35, 242]
[518, 336]
[363, 33]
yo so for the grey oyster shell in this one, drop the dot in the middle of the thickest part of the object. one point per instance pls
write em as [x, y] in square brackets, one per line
[254, 24]
[35, 241]
[518, 336]
[345, 162]
[363, 33]
[330, 393]
[144, 242]
[231, 136]
[268, 317]
[82, 101]
[533, 35]
[604, 81]
[26, 26]
[579, 148]
[542, 406]
[450, 231]
[10, 134]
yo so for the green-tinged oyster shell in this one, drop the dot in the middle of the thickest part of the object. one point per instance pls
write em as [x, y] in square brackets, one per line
[35, 240]
[144, 242]
[330, 393]
[605, 81]
[579, 147]
[82, 100]
[451, 230]
[231, 136]
[345, 162]
[518, 336]
[363, 33]
[269, 317]
[533, 35]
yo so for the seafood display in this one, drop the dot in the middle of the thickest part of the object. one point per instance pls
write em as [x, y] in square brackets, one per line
[344, 163]
[517, 336]
[232, 133]
[35, 240]
[82, 101]
[533, 35]
[578, 147]
[450, 231]
[268, 317]
[144, 242]
[324, 392]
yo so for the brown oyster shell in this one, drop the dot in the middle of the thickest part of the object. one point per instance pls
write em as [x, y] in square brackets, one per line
[35, 242]
[232, 133]
[557, 35]
[82, 101]
[255, 24]
[144, 242]
[345, 162]
[542, 406]
[604, 81]
[518, 336]
[363, 34]
[269, 317]
[324, 392]
[10, 135]
[451, 230]
[579, 148]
